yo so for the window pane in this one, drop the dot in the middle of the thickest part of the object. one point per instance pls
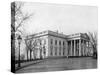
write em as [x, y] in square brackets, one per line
[55, 42]
[59, 42]
[51, 41]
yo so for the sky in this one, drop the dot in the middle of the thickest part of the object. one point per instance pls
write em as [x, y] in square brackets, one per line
[68, 19]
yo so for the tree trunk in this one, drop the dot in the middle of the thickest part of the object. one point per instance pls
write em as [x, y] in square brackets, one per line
[30, 54]
[27, 55]
[40, 53]
[13, 37]
[34, 53]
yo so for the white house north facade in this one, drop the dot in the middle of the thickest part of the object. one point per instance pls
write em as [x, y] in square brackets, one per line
[55, 44]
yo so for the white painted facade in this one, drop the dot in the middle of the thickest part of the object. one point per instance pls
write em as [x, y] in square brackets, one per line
[60, 45]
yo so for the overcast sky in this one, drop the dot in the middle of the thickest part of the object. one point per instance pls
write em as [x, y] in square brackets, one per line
[68, 19]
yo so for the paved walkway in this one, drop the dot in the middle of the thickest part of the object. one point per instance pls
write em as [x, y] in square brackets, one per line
[61, 64]
[28, 63]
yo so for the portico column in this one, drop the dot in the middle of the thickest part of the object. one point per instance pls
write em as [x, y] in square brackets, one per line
[66, 49]
[71, 49]
[79, 47]
[83, 47]
[88, 49]
[74, 47]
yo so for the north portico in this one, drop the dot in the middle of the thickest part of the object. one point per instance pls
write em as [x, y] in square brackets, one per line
[79, 45]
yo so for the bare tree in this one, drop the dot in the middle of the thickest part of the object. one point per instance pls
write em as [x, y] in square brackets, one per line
[18, 18]
[93, 41]
[28, 46]
[34, 44]
[31, 45]
[42, 47]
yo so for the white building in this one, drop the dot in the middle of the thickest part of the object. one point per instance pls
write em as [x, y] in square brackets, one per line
[54, 44]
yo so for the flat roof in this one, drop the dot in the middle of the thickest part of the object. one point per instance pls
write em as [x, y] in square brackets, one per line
[61, 35]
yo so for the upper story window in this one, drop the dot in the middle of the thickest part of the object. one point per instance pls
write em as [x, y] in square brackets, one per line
[51, 41]
[63, 43]
[55, 42]
[59, 42]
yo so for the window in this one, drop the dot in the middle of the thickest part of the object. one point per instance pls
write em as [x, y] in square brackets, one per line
[63, 43]
[55, 42]
[51, 41]
[51, 50]
[59, 42]
[55, 50]
[63, 50]
[63, 47]
[60, 50]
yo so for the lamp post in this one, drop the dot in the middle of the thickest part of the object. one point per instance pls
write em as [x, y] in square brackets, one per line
[19, 42]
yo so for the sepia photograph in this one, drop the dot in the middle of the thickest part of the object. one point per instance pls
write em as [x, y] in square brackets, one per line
[49, 37]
